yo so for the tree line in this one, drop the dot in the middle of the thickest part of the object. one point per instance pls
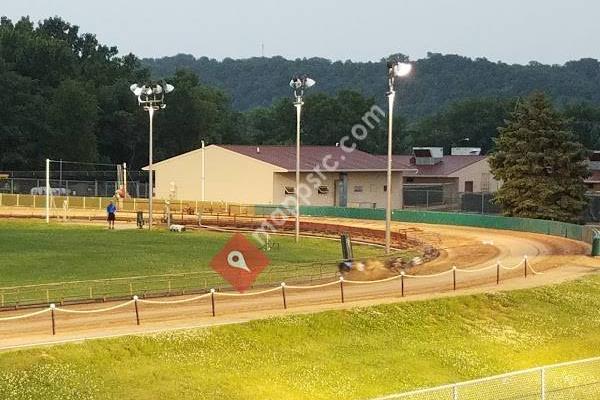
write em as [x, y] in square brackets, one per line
[66, 96]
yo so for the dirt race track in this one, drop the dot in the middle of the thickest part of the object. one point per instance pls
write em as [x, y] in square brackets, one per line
[467, 248]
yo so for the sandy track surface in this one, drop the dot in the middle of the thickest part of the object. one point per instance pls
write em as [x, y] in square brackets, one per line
[467, 248]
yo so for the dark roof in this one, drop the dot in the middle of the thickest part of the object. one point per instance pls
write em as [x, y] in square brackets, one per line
[312, 156]
[447, 166]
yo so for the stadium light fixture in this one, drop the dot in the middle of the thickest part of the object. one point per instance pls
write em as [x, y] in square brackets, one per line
[152, 98]
[396, 69]
[299, 84]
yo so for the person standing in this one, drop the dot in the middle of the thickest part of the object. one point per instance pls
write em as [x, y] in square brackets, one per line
[111, 210]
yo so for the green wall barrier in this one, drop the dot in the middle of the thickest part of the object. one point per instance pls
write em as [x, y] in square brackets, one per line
[554, 228]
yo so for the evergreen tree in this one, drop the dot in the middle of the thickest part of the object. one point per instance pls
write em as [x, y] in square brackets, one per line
[541, 164]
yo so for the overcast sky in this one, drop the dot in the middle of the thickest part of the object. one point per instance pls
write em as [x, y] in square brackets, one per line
[513, 31]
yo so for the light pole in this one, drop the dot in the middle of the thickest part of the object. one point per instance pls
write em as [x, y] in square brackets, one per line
[152, 98]
[396, 69]
[299, 83]
[203, 176]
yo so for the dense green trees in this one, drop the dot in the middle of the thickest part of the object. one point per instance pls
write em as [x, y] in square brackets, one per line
[541, 164]
[471, 123]
[66, 96]
[54, 83]
[438, 80]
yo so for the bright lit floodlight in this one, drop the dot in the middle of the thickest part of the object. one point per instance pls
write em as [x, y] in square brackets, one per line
[396, 69]
[402, 69]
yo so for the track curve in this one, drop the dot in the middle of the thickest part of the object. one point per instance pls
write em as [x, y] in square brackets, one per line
[464, 247]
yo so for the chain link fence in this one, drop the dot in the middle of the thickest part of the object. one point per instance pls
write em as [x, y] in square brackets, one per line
[155, 285]
[578, 380]
[438, 198]
[71, 187]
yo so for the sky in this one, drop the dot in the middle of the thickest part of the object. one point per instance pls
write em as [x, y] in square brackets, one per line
[512, 31]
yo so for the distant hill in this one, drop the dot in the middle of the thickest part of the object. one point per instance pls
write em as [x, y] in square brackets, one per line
[438, 79]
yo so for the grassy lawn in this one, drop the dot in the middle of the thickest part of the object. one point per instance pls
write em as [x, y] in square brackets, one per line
[33, 253]
[354, 354]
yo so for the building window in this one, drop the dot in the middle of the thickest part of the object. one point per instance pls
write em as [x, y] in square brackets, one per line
[385, 188]
[358, 189]
[485, 182]
[410, 180]
[323, 189]
[290, 190]
[469, 186]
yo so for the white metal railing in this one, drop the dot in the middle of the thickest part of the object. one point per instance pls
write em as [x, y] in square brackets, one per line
[575, 380]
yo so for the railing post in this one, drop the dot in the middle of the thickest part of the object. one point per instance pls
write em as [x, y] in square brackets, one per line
[137, 312]
[402, 283]
[543, 383]
[212, 301]
[342, 288]
[283, 295]
[52, 307]
[498, 273]
[454, 277]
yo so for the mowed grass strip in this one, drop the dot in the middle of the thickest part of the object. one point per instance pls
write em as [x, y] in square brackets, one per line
[353, 354]
[34, 253]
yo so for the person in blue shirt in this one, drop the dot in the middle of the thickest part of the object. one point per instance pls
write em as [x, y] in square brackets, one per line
[111, 210]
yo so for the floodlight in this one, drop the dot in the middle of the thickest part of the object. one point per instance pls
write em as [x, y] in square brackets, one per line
[402, 69]
[136, 89]
[309, 82]
[152, 98]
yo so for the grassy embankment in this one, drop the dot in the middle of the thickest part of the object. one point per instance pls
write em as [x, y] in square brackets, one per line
[353, 354]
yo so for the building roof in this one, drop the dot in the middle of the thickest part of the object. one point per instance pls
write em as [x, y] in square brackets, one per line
[447, 166]
[313, 156]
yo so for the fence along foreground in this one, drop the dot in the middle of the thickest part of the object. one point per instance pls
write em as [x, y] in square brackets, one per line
[282, 289]
[576, 380]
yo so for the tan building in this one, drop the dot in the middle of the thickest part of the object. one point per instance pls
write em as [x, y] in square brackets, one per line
[459, 173]
[330, 176]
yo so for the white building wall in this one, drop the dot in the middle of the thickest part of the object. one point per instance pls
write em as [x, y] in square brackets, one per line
[479, 173]
[230, 177]
[371, 183]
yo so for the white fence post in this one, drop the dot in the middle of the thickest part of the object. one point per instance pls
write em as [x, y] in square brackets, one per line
[543, 383]
[455, 392]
